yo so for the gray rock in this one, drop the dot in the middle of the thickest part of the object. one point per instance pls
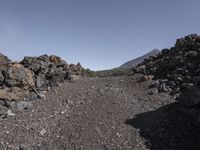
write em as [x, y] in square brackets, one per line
[2, 102]
[17, 75]
[180, 65]
[9, 113]
[41, 81]
[3, 110]
[23, 105]
[1, 78]
[154, 91]
[73, 77]
[4, 59]
[32, 97]
[29, 79]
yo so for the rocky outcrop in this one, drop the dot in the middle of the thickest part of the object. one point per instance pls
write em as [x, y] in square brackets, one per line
[51, 70]
[28, 80]
[17, 76]
[177, 70]
[16, 81]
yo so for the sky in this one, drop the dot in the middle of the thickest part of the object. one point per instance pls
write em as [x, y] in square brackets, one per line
[100, 34]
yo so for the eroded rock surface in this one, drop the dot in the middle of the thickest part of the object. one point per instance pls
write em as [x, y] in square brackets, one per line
[28, 80]
[177, 70]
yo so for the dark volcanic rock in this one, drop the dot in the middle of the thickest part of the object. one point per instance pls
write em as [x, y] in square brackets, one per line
[1, 78]
[4, 59]
[32, 77]
[17, 75]
[51, 70]
[36, 64]
[56, 60]
[179, 66]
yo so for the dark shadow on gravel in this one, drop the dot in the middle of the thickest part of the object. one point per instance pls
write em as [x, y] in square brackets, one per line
[168, 128]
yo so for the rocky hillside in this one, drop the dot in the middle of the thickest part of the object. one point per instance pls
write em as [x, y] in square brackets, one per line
[178, 70]
[28, 80]
[138, 60]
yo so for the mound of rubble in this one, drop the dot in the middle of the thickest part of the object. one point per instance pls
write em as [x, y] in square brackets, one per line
[28, 80]
[177, 70]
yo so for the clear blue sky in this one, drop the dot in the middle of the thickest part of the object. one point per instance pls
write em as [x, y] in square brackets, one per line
[101, 34]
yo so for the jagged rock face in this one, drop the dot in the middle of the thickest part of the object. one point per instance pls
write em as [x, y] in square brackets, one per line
[24, 80]
[37, 64]
[29, 80]
[50, 70]
[179, 66]
[16, 82]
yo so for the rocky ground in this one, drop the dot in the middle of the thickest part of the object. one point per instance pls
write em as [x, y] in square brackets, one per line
[114, 113]
[28, 80]
[177, 70]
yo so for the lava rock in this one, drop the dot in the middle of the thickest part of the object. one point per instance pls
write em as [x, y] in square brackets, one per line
[4, 59]
[17, 75]
[55, 59]
[1, 78]
[41, 81]
[180, 65]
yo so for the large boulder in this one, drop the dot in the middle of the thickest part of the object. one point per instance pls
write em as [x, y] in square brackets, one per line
[51, 70]
[36, 64]
[56, 60]
[14, 94]
[56, 75]
[18, 76]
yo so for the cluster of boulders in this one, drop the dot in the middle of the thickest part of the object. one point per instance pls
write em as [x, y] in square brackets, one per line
[51, 70]
[177, 70]
[28, 80]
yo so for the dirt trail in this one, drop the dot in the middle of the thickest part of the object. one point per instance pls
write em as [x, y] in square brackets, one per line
[115, 113]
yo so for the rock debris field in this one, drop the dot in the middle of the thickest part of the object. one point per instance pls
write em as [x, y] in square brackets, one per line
[101, 114]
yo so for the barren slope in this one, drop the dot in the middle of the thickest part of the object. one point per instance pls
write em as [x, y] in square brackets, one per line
[115, 113]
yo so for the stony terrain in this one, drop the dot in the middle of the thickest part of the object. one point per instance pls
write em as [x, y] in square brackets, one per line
[29, 80]
[177, 70]
[101, 114]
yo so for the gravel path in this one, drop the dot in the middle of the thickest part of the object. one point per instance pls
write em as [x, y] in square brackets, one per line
[115, 113]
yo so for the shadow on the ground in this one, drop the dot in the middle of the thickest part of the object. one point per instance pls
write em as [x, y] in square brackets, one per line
[168, 128]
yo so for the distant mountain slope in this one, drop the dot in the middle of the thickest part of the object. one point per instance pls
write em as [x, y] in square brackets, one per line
[138, 60]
